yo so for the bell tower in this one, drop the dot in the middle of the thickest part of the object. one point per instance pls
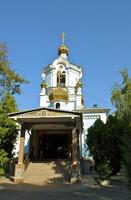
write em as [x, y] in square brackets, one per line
[61, 87]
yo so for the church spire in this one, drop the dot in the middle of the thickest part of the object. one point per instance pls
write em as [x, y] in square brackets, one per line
[63, 49]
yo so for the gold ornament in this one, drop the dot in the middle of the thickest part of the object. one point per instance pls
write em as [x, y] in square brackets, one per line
[82, 101]
[58, 94]
[43, 85]
[63, 49]
[79, 84]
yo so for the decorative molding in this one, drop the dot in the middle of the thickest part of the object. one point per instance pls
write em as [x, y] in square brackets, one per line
[91, 117]
[94, 110]
[43, 113]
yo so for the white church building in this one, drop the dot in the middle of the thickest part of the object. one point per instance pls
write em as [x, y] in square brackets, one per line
[61, 88]
[57, 129]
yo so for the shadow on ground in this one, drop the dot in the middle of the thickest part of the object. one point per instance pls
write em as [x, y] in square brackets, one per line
[83, 191]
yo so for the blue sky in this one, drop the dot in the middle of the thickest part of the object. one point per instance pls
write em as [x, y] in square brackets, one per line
[98, 36]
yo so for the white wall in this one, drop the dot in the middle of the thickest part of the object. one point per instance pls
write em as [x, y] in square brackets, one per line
[26, 144]
[88, 120]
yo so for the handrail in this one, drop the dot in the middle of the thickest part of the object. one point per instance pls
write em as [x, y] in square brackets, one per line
[28, 157]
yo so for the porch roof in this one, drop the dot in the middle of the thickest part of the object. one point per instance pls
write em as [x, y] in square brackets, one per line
[45, 115]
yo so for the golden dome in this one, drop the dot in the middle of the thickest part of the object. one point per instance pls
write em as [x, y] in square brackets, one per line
[82, 101]
[58, 94]
[79, 84]
[43, 85]
[63, 49]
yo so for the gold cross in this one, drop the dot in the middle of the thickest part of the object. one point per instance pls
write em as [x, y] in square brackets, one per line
[63, 37]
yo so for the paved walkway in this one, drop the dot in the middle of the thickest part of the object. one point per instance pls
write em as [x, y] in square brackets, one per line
[87, 190]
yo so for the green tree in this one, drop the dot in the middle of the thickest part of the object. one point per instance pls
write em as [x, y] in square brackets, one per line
[95, 141]
[8, 128]
[10, 84]
[115, 128]
[121, 98]
[10, 81]
[104, 143]
[98, 146]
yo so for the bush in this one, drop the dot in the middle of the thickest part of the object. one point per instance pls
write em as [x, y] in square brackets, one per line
[2, 172]
[103, 171]
[3, 158]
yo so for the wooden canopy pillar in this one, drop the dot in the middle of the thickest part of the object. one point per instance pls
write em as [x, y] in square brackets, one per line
[75, 169]
[19, 168]
[21, 146]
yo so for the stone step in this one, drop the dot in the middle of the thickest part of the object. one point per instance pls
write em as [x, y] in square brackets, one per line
[46, 172]
[43, 178]
[43, 175]
[44, 181]
[46, 168]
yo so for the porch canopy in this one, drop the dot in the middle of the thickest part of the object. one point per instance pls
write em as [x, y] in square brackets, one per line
[45, 123]
[50, 120]
[47, 118]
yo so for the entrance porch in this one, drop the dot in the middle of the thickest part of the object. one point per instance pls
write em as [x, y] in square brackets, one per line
[54, 146]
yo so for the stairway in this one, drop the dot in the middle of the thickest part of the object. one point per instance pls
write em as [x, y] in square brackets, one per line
[47, 172]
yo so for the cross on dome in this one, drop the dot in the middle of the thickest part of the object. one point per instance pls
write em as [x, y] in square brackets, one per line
[63, 49]
[63, 37]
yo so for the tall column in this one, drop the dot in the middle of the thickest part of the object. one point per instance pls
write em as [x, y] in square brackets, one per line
[75, 145]
[20, 167]
[21, 146]
[75, 170]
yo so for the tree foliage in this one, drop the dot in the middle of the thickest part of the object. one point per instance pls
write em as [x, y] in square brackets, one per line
[3, 157]
[121, 98]
[10, 81]
[104, 143]
[110, 143]
[8, 128]
[10, 84]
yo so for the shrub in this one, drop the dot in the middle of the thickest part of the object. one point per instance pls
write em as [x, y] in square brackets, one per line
[103, 171]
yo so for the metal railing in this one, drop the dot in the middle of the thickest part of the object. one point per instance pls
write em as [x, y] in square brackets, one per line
[28, 157]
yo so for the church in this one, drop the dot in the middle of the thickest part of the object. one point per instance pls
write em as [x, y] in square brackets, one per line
[52, 140]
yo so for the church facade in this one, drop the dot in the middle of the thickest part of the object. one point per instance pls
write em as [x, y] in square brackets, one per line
[55, 133]
[61, 88]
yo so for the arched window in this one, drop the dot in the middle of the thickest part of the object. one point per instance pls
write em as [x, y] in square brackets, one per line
[61, 78]
[57, 105]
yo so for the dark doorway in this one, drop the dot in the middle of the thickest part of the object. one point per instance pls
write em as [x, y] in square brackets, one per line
[54, 146]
